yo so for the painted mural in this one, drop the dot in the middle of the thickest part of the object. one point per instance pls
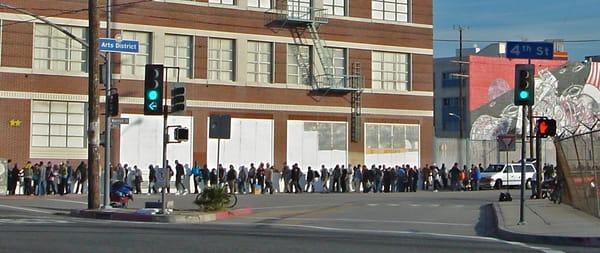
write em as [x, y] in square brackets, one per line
[568, 93]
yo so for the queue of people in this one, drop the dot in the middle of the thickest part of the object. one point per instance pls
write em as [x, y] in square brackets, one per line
[46, 178]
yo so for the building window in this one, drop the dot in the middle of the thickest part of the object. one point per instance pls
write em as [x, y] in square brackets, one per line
[390, 71]
[337, 66]
[228, 2]
[178, 53]
[55, 51]
[299, 9]
[299, 64]
[260, 3]
[57, 124]
[335, 7]
[260, 62]
[220, 59]
[135, 64]
[390, 143]
[392, 10]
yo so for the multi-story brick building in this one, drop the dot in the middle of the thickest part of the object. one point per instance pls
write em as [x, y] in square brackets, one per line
[292, 74]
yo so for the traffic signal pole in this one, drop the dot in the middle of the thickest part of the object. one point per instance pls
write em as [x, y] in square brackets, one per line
[107, 120]
[523, 146]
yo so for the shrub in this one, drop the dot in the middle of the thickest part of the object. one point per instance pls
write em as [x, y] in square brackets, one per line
[213, 199]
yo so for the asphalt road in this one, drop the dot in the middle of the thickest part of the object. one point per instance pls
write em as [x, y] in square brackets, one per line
[422, 221]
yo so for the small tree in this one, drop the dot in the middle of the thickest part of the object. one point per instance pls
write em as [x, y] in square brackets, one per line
[213, 198]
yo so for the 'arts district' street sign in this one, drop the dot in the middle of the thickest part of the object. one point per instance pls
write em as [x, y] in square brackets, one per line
[122, 46]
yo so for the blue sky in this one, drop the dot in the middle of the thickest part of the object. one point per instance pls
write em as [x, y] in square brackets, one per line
[502, 20]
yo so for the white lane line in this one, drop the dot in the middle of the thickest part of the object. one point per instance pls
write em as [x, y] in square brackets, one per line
[285, 207]
[26, 209]
[393, 205]
[396, 232]
[69, 201]
[372, 204]
[415, 205]
[364, 221]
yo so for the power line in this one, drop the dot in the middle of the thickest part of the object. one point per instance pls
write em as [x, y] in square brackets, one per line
[64, 12]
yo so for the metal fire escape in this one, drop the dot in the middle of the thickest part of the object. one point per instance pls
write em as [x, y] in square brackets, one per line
[300, 17]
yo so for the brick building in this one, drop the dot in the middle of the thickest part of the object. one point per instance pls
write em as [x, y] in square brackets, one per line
[294, 75]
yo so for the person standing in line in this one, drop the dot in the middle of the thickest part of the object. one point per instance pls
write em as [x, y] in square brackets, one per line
[260, 175]
[186, 179]
[52, 176]
[310, 180]
[394, 178]
[336, 176]
[13, 175]
[222, 173]
[357, 178]
[437, 185]
[70, 177]
[169, 175]
[365, 179]
[205, 177]
[197, 174]
[425, 177]
[401, 175]
[243, 180]
[9, 178]
[296, 179]
[78, 177]
[343, 175]
[287, 178]
[475, 177]
[27, 178]
[35, 178]
[466, 178]
[179, 176]
[444, 176]
[252, 178]
[378, 178]
[454, 177]
[120, 173]
[213, 178]
[324, 178]
[231, 179]
[269, 179]
[130, 176]
[138, 179]
[151, 180]
[277, 179]
[387, 180]
[42, 185]
[64, 176]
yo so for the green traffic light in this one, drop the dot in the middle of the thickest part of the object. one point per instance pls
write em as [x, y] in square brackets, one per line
[524, 94]
[153, 94]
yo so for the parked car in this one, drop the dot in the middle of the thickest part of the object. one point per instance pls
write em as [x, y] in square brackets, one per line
[497, 176]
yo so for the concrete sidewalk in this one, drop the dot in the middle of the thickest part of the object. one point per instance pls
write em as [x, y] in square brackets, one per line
[547, 223]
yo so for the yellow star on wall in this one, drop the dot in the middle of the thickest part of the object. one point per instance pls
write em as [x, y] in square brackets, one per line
[15, 122]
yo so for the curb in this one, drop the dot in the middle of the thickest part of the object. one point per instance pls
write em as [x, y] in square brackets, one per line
[173, 218]
[506, 234]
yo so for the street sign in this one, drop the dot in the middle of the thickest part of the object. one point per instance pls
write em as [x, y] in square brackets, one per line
[120, 121]
[507, 143]
[161, 177]
[529, 50]
[122, 46]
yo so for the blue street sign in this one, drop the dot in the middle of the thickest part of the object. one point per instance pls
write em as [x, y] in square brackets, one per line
[529, 50]
[123, 46]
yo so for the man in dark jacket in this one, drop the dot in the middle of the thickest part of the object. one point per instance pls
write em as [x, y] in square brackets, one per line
[179, 174]
[296, 179]
[310, 178]
[151, 180]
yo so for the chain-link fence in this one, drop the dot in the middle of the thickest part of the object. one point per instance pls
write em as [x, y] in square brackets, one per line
[577, 157]
[449, 151]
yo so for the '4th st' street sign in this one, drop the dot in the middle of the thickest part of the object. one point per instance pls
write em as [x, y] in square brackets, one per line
[529, 50]
[123, 46]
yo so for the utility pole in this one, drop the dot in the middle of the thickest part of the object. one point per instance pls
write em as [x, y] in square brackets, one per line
[93, 131]
[107, 120]
[461, 84]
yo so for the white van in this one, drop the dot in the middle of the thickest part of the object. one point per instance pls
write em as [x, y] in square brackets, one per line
[497, 176]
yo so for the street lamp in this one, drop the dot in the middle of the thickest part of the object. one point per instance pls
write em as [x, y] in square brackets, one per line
[463, 151]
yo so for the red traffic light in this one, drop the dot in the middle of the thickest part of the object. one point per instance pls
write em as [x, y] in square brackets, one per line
[546, 127]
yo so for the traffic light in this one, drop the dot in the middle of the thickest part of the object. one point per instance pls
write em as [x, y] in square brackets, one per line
[113, 104]
[153, 91]
[181, 134]
[546, 127]
[524, 84]
[178, 99]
